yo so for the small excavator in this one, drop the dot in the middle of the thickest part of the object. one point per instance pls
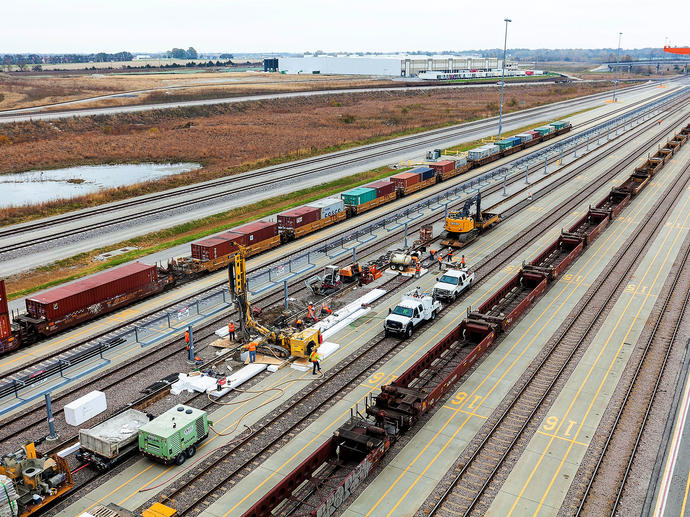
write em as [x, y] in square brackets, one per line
[281, 343]
[463, 228]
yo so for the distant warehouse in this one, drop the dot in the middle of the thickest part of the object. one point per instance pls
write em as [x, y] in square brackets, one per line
[399, 66]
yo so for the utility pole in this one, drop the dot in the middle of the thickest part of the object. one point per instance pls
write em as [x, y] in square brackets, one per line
[615, 72]
[503, 76]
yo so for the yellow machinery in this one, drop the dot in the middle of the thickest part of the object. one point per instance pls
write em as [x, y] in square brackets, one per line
[463, 227]
[29, 483]
[281, 343]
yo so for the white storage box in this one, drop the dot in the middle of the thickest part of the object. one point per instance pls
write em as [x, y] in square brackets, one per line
[85, 408]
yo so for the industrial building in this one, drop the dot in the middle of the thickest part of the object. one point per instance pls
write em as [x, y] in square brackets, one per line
[398, 66]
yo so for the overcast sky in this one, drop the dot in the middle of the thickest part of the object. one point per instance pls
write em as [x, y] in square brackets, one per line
[349, 25]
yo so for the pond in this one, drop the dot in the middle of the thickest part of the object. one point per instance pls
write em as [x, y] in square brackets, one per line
[34, 187]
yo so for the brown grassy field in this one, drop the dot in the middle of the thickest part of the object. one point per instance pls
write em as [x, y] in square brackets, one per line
[28, 90]
[231, 138]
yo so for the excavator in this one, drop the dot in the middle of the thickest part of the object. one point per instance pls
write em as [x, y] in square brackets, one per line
[463, 228]
[281, 343]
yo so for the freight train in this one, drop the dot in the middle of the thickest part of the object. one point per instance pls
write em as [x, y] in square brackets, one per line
[358, 446]
[67, 306]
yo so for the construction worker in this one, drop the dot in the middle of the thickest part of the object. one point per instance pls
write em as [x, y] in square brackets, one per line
[252, 351]
[450, 255]
[417, 270]
[310, 313]
[314, 358]
[325, 310]
[186, 338]
[529, 195]
[432, 252]
[231, 331]
[440, 262]
[462, 261]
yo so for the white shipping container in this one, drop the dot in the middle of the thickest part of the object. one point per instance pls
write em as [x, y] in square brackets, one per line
[493, 149]
[329, 206]
[84, 408]
[460, 161]
[524, 137]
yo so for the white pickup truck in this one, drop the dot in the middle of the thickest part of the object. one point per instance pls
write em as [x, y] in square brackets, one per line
[413, 309]
[452, 283]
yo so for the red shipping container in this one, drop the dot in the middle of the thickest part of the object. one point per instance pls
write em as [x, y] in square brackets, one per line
[83, 294]
[443, 166]
[383, 188]
[234, 237]
[212, 248]
[300, 216]
[405, 179]
[535, 134]
[258, 231]
[5, 329]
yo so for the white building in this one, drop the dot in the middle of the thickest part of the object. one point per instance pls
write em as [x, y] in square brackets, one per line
[398, 66]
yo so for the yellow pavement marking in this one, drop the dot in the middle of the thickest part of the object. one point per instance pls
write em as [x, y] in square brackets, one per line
[685, 496]
[585, 267]
[470, 413]
[596, 362]
[572, 440]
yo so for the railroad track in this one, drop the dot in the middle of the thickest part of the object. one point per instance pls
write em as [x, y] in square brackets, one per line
[481, 471]
[482, 268]
[402, 144]
[209, 480]
[612, 469]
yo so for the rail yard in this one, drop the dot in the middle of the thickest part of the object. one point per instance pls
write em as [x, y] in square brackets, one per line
[497, 331]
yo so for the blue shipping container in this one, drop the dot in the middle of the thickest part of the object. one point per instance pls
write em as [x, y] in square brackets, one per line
[516, 140]
[424, 172]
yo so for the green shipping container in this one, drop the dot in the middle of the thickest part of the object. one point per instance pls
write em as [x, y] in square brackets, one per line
[559, 125]
[173, 436]
[505, 144]
[544, 130]
[358, 196]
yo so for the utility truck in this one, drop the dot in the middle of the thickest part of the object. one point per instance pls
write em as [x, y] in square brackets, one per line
[452, 284]
[413, 309]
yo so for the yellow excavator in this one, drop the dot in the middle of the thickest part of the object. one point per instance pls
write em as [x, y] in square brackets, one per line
[462, 227]
[273, 342]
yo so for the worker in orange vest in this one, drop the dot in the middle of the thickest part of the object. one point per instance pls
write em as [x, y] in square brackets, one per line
[432, 252]
[231, 331]
[310, 313]
[314, 358]
[440, 262]
[417, 270]
[186, 338]
[450, 255]
[252, 351]
[325, 309]
[462, 261]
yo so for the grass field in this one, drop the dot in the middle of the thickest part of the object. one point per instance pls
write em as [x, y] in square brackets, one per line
[227, 139]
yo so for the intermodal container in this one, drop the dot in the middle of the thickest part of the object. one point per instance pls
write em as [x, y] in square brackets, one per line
[460, 162]
[233, 237]
[524, 137]
[443, 166]
[535, 134]
[560, 124]
[5, 329]
[212, 248]
[505, 144]
[516, 140]
[358, 196]
[544, 130]
[383, 188]
[329, 206]
[478, 153]
[424, 172]
[299, 216]
[405, 180]
[258, 231]
[90, 292]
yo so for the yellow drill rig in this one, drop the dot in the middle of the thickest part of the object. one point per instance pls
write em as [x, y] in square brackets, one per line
[282, 343]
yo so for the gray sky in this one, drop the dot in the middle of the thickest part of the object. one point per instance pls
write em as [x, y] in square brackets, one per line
[352, 25]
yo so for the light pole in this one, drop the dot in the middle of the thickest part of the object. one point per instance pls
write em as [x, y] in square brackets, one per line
[615, 72]
[503, 82]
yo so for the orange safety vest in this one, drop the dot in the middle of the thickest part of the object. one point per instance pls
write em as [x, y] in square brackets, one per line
[186, 336]
[231, 327]
[440, 258]
[418, 268]
[251, 346]
[313, 357]
[462, 261]
[310, 310]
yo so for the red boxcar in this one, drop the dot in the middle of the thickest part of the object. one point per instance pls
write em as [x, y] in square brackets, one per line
[299, 216]
[86, 295]
[258, 231]
[5, 329]
[443, 166]
[383, 188]
[405, 180]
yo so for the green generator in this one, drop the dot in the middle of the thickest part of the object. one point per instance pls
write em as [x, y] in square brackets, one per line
[173, 436]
